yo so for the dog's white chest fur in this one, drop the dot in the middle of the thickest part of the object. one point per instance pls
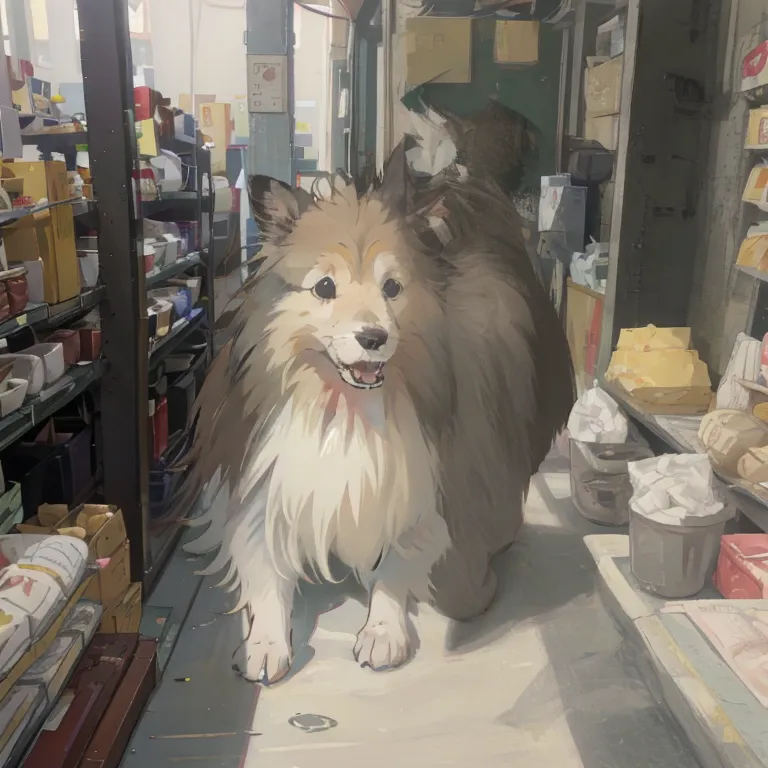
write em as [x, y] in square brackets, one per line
[338, 485]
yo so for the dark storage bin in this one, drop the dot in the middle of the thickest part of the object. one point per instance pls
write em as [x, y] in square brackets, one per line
[51, 473]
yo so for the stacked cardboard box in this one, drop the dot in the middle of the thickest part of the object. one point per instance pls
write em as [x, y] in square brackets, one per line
[103, 529]
[602, 94]
[45, 241]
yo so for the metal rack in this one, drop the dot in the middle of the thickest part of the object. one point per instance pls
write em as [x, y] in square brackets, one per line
[128, 356]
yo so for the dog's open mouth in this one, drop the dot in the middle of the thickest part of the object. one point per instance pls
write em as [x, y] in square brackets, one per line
[363, 375]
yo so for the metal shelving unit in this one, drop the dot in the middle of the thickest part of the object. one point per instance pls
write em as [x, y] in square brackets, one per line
[128, 353]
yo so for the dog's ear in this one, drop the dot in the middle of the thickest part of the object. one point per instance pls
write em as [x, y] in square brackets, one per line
[396, 189]
[275, 206]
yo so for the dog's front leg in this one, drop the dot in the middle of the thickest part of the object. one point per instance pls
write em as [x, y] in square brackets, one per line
[266, 655]
[403, 574]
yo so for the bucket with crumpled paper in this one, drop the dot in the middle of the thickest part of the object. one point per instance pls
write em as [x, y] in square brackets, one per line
[600, 454]
[675, 524]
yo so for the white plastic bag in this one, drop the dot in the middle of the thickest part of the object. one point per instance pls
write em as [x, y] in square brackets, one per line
[596, 418]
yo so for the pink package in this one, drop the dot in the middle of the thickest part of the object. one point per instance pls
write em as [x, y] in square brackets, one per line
[742, 567]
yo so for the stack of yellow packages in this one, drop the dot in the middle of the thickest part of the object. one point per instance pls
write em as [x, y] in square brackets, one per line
[659, 371]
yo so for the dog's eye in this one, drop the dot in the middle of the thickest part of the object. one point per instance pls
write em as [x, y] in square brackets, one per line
[391, 288]
[325, 289]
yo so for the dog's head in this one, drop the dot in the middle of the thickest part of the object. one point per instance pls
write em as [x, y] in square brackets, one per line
[357, 292]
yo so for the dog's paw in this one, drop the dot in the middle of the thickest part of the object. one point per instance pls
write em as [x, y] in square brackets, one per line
[263, 660]
[382, 645]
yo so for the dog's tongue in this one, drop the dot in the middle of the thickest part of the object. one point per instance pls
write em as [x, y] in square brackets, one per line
[366, 372]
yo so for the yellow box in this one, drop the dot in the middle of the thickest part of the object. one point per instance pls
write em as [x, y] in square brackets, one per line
[602, 87]
[48, 237]
[757, 129]
[39, 179]
[438, 50]
[516, 42]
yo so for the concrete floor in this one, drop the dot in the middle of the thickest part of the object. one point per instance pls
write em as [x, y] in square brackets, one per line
[544, 679]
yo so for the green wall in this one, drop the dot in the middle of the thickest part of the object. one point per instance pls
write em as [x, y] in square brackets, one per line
[532, 91]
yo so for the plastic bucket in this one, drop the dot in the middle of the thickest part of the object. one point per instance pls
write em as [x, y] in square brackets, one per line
[600, 486]
[673, 561]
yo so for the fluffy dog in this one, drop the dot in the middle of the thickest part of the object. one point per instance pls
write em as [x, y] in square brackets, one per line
[395, 377]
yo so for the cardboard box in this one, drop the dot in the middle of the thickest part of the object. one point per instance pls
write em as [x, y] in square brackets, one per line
[602, 86]
[652, 338]
[753, 252]
[47, 237]
[604, 130]
[666, 379]
[103, 543]
[754, 191]
[757, 129]
[41, 645]
[216, 122]
[438, 50]
[516, 42]
[38, 179]
[111, 581]
[583, 313]
[124, 616]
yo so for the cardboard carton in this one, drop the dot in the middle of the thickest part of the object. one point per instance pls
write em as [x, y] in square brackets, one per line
[216, 122]
[438, 50]
[111, 581]
[516, 42]
[38, 180]
[48, 238]
[757, 129]
[663, 380]
[103, 543]
[652, 338]
[602, 87]
[124, 616]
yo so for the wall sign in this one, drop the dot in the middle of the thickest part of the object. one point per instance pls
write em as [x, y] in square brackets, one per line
[267, 83]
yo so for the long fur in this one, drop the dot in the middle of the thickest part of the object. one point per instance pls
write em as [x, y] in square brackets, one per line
[476, 391]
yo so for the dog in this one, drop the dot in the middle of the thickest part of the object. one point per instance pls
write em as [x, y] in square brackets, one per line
[395, 376]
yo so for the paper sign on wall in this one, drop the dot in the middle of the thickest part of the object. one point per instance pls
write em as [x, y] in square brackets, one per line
[267, 83]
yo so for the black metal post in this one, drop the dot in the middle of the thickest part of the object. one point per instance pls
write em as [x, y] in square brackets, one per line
[108, 84]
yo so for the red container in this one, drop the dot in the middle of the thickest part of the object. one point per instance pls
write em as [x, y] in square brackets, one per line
[144, 103]
[742, 567]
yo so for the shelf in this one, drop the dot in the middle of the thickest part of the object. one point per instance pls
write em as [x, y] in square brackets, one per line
[756, 273]
[175, 201]
[8, 217]
[53, 315]
[55, 142]
[679, 433]
[172, 270]
[35, 413]
[179, 333]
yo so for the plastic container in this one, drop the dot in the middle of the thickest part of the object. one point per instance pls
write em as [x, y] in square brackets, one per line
[674, 561]
[600, 485]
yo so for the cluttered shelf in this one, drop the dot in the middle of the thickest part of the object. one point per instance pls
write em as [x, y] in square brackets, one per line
[79, 207]
[173, 202]
[179, 332]
[50, 400]
[161, 274]
[682, 434]
[53, 315]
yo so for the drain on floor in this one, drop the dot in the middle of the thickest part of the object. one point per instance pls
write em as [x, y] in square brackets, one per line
[312, 723]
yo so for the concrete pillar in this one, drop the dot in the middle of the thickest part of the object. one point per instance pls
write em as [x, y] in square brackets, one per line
[270, 32]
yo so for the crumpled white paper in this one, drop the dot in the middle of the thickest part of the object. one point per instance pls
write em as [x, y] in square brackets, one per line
[676, 490]
[596, 418]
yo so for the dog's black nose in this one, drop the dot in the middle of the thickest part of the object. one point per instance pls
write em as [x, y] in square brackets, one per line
[371, 339]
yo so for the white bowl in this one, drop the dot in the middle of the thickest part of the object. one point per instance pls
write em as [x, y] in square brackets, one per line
[52, 356]
[29, 367]
[13, 397]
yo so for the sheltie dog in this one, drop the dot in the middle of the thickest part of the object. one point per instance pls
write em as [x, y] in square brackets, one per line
[395, 376]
